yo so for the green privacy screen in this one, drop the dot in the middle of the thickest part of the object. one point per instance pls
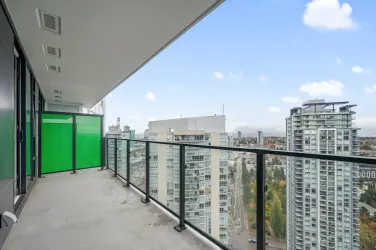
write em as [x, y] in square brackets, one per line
[88, 141]
[57, 130]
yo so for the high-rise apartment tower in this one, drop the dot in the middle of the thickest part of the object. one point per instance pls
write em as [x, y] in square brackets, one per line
[260, 138]
[322, 196]
[206, 174]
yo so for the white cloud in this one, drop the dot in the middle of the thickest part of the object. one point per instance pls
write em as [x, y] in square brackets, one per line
[324, 88]
[274, 109]
[339, 61]
[371, 89]
[151, 119]
[218, 75]
[357, 69]
[236, 76]
[360, 70]
[150, 96]
[291, 99]
[278, 129]
[135, 117]
[329, 14]
[263, 78]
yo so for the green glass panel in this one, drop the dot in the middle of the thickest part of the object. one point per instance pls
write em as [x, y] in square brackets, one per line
[88, 141]
[57, 131]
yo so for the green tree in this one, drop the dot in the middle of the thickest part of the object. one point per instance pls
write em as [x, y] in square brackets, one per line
[269, 196]
[367, 236]
[276, 161]
[365, 147]
[252, 173]
[277, 220]
[268, 174]
[247, 195]
[363, 211]
[254, 191]
[373, 218]
[369, 196]
[246, 177]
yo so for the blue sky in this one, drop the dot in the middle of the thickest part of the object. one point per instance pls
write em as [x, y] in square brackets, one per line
[259, 58]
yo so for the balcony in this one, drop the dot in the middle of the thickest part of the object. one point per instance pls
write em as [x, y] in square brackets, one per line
[68, 201]
[57, 60]
[60, 58]
[92, 210]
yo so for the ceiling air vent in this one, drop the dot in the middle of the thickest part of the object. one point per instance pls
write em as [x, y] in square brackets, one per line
[53, 68]
[49, 22]
[55, 91]
[49, 50]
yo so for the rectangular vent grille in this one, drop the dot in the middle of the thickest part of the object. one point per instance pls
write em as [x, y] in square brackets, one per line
[55, 91]
[53, 68]
[49, 50]
[49, 22]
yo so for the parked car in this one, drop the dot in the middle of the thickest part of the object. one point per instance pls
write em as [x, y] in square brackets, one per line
[252, 240]
[255, 241]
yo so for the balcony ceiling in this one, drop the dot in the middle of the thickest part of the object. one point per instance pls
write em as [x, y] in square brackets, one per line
[102, 42]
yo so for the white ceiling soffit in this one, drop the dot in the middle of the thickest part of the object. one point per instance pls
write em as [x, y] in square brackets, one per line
[85, 48]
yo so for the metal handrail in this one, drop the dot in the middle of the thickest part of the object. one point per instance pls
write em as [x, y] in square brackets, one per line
[260, 179]
[352, 159]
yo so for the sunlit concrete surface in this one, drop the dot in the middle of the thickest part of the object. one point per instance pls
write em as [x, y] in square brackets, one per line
[92, 210]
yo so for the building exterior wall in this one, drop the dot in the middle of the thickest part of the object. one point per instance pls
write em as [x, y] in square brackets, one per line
[7, 120]
[206, 173]
[205, 123]
[322, 196]
[214, 184]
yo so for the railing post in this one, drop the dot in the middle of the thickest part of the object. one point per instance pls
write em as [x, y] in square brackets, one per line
[74, 167]
[107, 153]
[103, 152]
[115, 156]
[181, 226]
[147, 191]
[260, 212]
[128, 163]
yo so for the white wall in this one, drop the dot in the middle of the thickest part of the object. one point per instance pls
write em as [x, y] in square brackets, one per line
[206, 123]
[63, 107]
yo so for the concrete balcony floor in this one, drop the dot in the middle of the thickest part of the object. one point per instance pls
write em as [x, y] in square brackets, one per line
[92, 210]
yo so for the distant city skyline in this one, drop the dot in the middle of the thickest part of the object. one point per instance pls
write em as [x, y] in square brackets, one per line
[246, 131]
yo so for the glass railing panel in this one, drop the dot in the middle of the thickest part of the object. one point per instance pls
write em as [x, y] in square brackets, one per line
[138, 164]
[367, 206]
[111, 153]
[275, 202]
[165, 175]
[220, 195]
[324, 204]
[122, 158]
[242, 191]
